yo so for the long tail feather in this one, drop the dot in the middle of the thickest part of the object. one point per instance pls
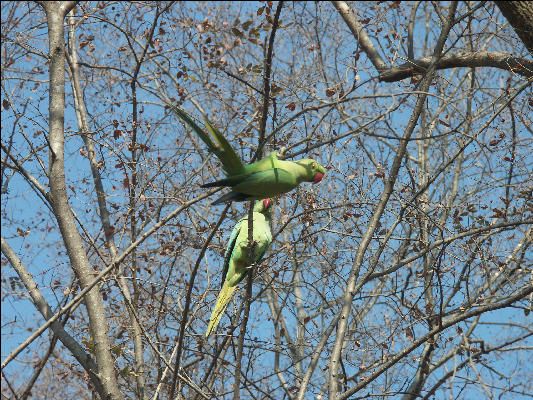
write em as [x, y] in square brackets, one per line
[215, 141]
[226, 293]
[199, 131]
[230, 160]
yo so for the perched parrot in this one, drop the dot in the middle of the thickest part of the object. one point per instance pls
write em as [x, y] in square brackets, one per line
[268, 177]
[237, 256]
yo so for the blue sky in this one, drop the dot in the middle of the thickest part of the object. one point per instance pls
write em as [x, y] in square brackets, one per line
[351, 176]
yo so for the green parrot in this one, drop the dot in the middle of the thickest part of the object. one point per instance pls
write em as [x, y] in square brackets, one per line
[237, 256]
[268, 177]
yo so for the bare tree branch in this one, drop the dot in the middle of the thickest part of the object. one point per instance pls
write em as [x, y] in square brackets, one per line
[42, 306]
[499, 60]
[101, 275]
[454, 233]
[185, 314]
[350, 17]
[55, 13]
[389, 185]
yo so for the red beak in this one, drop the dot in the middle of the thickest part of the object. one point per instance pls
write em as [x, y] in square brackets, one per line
[266, 203]
[318, 177]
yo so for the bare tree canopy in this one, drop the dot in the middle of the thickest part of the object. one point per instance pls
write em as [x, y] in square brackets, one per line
[404, 272]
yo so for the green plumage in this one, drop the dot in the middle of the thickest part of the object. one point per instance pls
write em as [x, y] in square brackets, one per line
[237, 256]
[267, 177]
[216, 143]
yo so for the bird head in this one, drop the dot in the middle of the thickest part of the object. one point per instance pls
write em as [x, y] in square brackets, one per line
[316, 171]
[264, 206]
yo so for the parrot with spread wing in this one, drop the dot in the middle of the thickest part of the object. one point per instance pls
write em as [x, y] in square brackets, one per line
[237, 257]
[267, 177]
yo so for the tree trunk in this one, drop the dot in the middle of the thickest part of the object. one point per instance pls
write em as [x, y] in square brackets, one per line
[55, 13]
[519, 14]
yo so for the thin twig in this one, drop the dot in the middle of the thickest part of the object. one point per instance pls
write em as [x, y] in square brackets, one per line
[266, 84]
[251, 243]
[242, 332]
[102, 274]
[188, 301]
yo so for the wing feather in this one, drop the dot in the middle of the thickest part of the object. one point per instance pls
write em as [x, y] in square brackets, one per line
[229, 248]
[268, 183]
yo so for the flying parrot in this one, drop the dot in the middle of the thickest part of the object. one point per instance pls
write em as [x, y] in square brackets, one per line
[268, 177]
[237, 256]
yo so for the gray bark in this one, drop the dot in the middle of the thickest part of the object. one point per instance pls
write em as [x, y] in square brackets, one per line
[81, 112]
[350, 17]
[40, 303]
[519, 14]
[55, 14]
[372, 226]
[500, 60]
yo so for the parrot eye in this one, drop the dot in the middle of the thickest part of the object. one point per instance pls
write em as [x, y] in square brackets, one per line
[313, 166]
